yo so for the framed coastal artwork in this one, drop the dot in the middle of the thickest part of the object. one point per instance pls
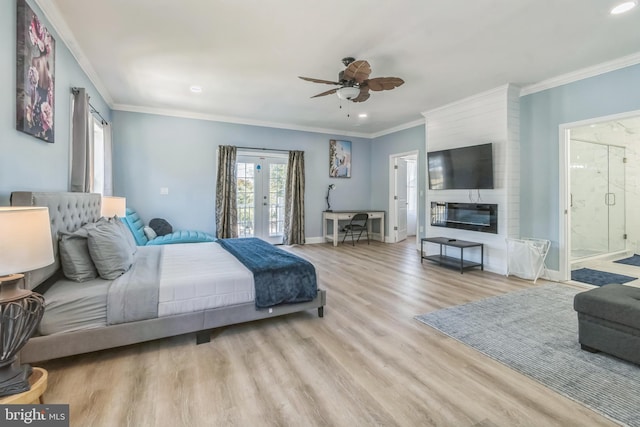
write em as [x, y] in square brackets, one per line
[339, 159]
[35, 75]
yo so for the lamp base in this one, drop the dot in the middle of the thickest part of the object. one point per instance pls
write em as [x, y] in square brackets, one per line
[14, 379]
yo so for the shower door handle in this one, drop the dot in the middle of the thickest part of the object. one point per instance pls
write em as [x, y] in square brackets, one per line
[607, 199]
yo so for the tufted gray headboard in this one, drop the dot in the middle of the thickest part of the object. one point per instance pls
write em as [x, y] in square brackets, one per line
[67, 211]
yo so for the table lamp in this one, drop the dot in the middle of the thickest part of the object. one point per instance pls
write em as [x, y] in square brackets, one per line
[25, 245]
[331, 187]
[112, 206]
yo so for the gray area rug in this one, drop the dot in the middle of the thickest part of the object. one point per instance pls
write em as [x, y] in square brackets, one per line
[535, 332]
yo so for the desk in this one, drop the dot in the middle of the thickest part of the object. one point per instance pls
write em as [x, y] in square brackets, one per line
[337, 216]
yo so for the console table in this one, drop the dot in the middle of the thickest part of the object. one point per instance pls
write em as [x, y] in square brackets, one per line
[443, 259]
[337, 216]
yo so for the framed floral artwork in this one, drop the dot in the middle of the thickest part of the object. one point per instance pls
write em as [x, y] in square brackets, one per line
[35, 75]
[339, 159]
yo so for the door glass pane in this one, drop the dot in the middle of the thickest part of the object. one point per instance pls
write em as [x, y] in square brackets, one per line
[277, 180]
[246, 199]
[589, 211]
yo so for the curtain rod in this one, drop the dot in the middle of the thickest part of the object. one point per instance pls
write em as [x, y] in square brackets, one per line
[262, 149]
[94, 110]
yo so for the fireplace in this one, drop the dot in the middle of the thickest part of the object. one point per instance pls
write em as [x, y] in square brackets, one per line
[466, 216]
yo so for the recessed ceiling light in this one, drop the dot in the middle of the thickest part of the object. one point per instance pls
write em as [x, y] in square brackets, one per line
[624, 7]
[362, 115]
[195, 89]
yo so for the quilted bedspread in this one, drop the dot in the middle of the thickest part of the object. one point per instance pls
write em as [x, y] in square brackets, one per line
[279, 276]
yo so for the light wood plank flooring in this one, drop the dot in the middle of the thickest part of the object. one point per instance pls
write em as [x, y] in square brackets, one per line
[366, 363]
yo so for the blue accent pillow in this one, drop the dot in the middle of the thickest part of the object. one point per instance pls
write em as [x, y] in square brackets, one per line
[135, 224]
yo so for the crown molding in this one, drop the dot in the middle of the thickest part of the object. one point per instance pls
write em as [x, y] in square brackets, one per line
[584, 73]
[397, 128]
[234, 120]
[498, 90]
[53, 15]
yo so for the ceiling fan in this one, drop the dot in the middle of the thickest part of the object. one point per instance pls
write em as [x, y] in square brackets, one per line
[355, 83]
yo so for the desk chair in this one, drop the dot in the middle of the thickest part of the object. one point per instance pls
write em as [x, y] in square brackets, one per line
[358, 223]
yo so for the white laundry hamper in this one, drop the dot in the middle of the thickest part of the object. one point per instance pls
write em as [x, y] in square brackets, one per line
[526, 257]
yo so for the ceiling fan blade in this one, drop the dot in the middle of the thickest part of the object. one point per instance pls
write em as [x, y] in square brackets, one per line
[358, 71]
[329, 92]
[363, 95]
[384, 83]
[310, 79]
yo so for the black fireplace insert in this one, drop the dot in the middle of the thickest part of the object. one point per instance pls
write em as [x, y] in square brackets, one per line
[466, 216]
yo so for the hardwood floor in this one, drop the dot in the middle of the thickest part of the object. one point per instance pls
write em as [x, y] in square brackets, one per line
[367, 362]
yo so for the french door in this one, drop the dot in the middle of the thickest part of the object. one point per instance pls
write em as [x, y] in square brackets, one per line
[260, 196]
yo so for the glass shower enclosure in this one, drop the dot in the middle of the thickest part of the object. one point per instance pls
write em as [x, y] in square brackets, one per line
[597, 185]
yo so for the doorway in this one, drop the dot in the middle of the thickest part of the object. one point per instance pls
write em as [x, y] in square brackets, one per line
[261, 184]
[403, 196]
[597, 198]
[599, 183]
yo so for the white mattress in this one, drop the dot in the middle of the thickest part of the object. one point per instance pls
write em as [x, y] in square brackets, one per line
[197, 276]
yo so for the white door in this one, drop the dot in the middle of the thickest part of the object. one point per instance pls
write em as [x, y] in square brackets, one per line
[260, 199]
[401, 199]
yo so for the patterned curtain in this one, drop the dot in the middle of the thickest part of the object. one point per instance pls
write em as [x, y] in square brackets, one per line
[226, 206]
[81, 143]
[294, 200]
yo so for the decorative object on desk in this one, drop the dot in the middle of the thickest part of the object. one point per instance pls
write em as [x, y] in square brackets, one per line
[35, 69]
[339, 159]
[331, 187]
[113, 206]
[26, 245]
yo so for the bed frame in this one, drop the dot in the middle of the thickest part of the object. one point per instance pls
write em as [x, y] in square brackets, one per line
[68, 212]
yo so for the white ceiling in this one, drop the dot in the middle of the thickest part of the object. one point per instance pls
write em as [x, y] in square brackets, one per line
[143, 55]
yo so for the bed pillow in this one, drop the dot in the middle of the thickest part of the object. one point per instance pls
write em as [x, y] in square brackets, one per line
[148, 231]
[109, 249]
[161, 226]
[126, 233]
[75, 257]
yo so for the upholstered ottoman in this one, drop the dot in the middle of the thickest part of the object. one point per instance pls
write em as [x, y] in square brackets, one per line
[609, 321]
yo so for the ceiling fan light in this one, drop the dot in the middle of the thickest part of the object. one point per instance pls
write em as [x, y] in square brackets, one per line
[348, 92]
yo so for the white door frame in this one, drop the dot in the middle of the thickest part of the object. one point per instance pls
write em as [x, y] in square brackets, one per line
[392, 205]
[564, 221]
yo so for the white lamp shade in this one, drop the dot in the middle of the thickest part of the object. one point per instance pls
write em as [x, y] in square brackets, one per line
[348, 92]
[112, 206]
[25, 239]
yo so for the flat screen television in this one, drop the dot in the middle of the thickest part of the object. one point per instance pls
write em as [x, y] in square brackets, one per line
[465, 168]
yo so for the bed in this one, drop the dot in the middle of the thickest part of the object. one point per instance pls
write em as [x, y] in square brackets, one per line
[169, 289]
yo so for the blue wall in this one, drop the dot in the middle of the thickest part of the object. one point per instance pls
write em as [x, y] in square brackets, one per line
[541, 115]
[27, 163]
[404, 141]
[152, 151]
[155, 151]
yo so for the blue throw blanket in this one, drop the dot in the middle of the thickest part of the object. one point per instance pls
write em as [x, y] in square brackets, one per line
[279, 276]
